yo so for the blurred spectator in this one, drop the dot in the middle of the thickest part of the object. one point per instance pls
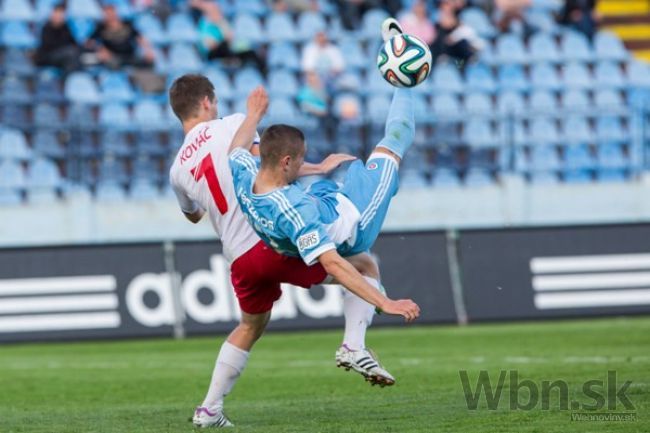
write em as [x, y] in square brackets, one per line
[116, 42]
[416, 22]
[349, 108]
[216, 36]
[510, 13]
[453, 38]
[351, 11]
[295, 5]
[581, 15]
[312, 97]
[323, 57]
[57, 46]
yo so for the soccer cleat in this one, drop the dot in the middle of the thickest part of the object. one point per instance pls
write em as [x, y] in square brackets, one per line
[203, 417]
[364, 362]
[389, 28]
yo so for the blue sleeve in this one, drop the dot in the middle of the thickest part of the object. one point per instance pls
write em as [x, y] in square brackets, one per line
[243, 166]
[301, 224]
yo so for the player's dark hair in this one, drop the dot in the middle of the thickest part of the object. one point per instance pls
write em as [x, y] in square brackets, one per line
[278, 141]
[186, 94]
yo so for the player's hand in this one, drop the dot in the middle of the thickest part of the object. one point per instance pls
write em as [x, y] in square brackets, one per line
[402, 307]
[258, 102]
[334, 160]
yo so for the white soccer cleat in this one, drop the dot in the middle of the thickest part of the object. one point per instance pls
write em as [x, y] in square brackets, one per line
[364, 362]
[203, 417]
[389, 28]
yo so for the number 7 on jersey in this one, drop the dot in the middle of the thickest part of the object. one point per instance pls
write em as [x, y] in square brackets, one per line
[206, 169]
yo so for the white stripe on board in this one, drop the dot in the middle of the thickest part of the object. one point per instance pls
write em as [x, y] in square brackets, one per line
[614, 262]
[591, 281]
[43, 304]
[39, 286]
[605, 298]
[59, 322]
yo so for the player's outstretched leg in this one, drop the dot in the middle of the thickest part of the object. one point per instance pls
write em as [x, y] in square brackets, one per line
[400, 124]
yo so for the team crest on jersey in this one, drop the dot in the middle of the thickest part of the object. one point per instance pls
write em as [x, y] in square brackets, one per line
[308, 241]
[372, 166]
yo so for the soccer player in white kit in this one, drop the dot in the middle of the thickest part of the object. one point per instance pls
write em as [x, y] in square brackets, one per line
[201, 178]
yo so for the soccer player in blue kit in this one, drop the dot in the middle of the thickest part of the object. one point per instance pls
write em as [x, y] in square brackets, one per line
[328, 221]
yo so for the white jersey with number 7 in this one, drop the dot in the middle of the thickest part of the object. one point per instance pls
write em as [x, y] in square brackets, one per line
[201, 178]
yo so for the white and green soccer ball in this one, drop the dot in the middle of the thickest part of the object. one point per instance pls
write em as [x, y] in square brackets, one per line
[404, 61]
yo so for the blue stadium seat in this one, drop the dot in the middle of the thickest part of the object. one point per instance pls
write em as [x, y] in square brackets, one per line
[421, 108]
[115, 115]
[149, 144]
[48, 87]
[143, 189]
[15, 116]
[184, 58]
[575, 100]
[544, 178]
[544, 77]
[412, 179]
[114, 143]
[544, 158]
[80, 117]
[543, 49]
[17, 62]
[478, 104]
[521, 161]
[115, 86]
[13, 90]
[610, 129]
[543, 131]
[513, 132]
[611, 175]
[543, 102]
[310, 23]
[47, 116]
[151, 28]
[609, 75]
[222, 84]
[148, 114]
[512, 77]
[44, 8]
[478, 177]
[112, 170]
[445, 178]
[377, 107]
[282, 83]
[82, 144]
[478, 133]
[371, 23]
[253, 7]
[575, 47]
[12, 180]
[510, 49]
[576, 76]
[477, 19]
[611, 156]
[46, 144]
[446, 105]
[82, 28]
[280, 28]
[110, 191]
[13, 145]
[376, 84]
[124, 8]
[349, 80]
[578, 158]
[246, 80]
[446, 78]
[479, 78]
[80, 87]
[609, 47]
[84, 9]
[510, 103]
[353, 54]
[609, 99]
[638, 74]
[17, 10]
[283, 110]
[283, 54]
[576, 130]
[16, 34]
[487, 55]
[181, 28]
[248, 29]
[44, 174]
[542, 21]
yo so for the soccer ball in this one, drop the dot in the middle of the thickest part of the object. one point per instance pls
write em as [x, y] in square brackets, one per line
[404, 61]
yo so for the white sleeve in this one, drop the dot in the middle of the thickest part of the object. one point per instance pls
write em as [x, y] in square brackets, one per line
[309, 58]
[186, 204]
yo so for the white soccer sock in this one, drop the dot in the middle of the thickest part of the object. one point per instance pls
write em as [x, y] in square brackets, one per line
[230, 363]
[358, 316]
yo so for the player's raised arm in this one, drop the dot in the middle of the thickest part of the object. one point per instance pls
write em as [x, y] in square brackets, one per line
[347, 275]
[256, 106]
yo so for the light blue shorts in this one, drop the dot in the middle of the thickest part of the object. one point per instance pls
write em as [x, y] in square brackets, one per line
[370, 188]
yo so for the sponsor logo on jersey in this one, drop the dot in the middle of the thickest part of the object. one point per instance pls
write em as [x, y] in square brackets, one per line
[372, 166]
[308, 241]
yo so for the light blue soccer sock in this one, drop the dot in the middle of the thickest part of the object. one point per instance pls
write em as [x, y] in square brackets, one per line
[400, 125]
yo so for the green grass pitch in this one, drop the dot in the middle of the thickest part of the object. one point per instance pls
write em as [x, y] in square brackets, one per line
[292, 385]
